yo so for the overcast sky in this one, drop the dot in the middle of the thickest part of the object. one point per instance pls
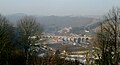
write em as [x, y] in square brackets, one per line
[57, 7]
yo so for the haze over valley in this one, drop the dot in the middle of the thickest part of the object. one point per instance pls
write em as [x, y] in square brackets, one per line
[55, 23]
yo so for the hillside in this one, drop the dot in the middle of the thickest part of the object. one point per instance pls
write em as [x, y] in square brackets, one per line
[53, 23]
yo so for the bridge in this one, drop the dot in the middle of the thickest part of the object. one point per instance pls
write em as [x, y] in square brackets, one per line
[68, 38]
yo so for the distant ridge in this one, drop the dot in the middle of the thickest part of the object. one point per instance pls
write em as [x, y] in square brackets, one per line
[57, 21]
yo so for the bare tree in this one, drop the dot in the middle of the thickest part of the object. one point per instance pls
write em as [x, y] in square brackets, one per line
[106, 39]
[5, 40]
[28, 27]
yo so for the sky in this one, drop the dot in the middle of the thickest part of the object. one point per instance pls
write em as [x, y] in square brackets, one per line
[57, 7]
